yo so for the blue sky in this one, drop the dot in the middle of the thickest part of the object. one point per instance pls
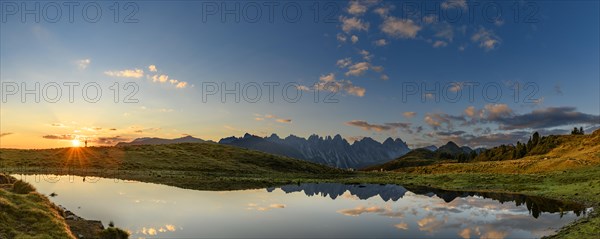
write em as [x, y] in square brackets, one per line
[364, 51]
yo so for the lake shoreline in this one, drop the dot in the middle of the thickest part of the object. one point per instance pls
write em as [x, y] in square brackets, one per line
[542, 185]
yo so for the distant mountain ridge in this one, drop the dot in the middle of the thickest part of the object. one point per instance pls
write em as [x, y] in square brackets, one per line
[158, 141]
[333, 151]
[426, 156]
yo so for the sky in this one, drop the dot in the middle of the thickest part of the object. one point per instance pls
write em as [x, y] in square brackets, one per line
[479, 73]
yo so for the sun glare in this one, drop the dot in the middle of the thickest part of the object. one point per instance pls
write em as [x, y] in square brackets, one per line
[75, 143]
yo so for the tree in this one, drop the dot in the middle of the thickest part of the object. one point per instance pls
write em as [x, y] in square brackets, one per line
[581, 130]
[536, 138]
[575, 131]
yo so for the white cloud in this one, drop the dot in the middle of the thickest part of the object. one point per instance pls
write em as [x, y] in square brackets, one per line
[366, 55]
[329, 83]
[381, 42]
[356, 8]
[160, 78]
[437, 44]
[486, 39]
[497, 111]
[400, 28]
[358, 69]
[341, 37]
[152, 68]
[455, 4]
[84, 63]
[135, 73]
[384, 77]
[343, 63]
[353, 24]
[354, 39]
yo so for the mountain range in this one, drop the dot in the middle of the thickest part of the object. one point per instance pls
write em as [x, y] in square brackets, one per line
[332, 151]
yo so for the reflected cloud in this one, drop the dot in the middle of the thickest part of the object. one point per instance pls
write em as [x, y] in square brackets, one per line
[257, 207]
[402, 226]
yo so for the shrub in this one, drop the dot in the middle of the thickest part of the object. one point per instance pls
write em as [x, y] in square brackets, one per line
[113, 233]
[21, 187]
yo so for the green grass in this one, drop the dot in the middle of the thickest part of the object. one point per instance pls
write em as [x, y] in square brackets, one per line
[29, 215]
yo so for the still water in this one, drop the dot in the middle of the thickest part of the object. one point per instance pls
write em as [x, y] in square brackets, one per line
[307, 210]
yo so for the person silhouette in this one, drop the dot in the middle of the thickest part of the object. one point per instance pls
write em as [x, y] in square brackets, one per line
[86, 143]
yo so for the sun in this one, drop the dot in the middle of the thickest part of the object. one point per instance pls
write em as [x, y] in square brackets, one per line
[75, 143]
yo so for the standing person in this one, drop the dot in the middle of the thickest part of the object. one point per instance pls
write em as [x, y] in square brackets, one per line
[86, 143]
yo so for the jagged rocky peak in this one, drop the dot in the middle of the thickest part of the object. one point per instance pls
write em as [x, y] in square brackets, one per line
[247, 135]
[388, 141]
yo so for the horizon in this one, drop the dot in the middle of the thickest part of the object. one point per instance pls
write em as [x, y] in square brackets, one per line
[358, 68]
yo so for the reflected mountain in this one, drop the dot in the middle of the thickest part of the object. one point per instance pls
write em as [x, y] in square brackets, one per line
[535, 205]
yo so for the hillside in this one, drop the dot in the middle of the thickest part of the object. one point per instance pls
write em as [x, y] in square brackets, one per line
[187, 157]
[552, 153]
[425, 156]
[156, 141]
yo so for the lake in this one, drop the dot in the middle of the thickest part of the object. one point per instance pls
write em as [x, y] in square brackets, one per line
[306, 210]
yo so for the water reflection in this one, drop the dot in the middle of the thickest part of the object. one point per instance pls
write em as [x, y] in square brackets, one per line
[307, 210]
[535, 205]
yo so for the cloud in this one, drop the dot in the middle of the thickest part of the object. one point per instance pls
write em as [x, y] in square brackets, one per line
[5, 134]
[165, 78]
[254, 206]
[450, 133]
[354, 39]
[341, 37]
[356, 8]
[384, 77]
[360, 210]
[409, 114]
[437, 44]
[377, 68]
[259, 117]
[455, 4]
[546, 118]
[61, 136]
[400, 28]
[487, 39]
[353, 24]
[343, 63]
[384, 11]
[284, 120]
[160, 78]
[109, 140]
[135, 73]
[402, 226]
[329, 83]
[436, 120]
[84, 63]
[378, 127]
[444, 30]
[381, 42]
[152, 68]
[471, 111]
[367, 56]
[358, 69]
[496, 111]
